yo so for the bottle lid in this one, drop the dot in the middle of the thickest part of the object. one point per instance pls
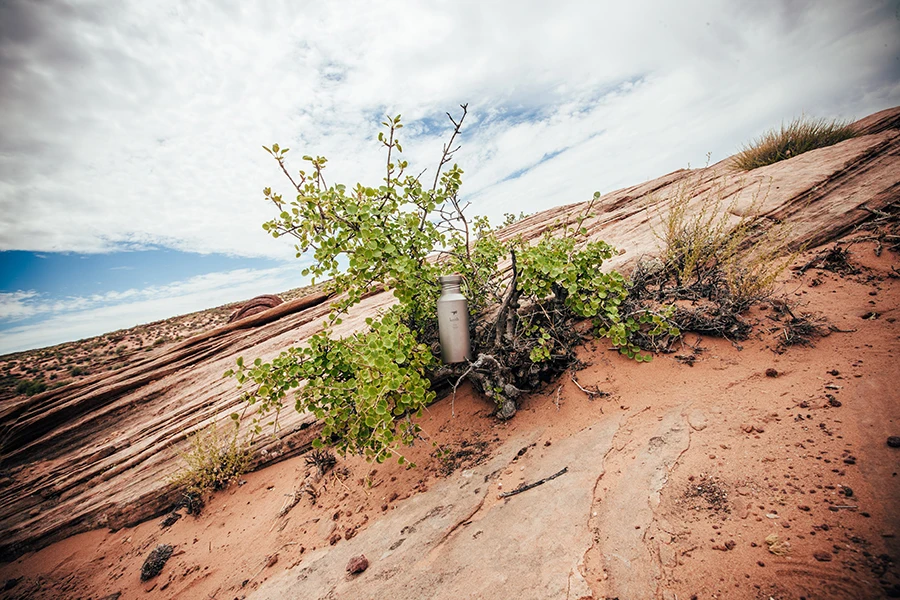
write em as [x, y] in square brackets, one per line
[451, 279]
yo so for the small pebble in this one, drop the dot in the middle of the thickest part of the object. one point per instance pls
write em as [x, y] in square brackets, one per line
[357, 564]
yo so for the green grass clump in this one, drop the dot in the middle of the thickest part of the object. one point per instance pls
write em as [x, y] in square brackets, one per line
[801, 135]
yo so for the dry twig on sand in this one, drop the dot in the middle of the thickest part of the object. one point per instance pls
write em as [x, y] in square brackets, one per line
[525, 488]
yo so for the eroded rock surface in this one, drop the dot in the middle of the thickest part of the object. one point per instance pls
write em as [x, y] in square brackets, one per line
[255, 306]
[474, 544]
[97, 453]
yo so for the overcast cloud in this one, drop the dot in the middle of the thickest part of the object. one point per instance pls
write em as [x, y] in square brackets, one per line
[137, 124]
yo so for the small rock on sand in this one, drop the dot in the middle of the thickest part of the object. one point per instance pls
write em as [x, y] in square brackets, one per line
[777, 546]
[697, 420]
[155, 561]
[357, 564]
[894, 441]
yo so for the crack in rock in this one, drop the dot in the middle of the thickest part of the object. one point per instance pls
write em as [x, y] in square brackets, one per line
[623, 561]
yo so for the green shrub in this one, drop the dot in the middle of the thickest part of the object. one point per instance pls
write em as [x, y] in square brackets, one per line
[30, 387]
[366, 387]
[78, 371]
[799, 136]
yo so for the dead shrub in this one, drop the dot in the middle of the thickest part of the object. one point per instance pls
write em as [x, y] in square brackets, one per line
[714, 263]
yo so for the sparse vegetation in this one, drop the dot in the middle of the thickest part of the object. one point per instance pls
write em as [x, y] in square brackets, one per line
[215, 458]
[883, 228]
[797, 330]
[800, 135]
[30, 387]
[321, 459]
[835, 259]
[706, 245]
[713, 264]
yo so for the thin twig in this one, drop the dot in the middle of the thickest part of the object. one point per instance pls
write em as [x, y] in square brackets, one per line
[448, 153]
[525, 488]
[590, 393]
[456, 385]
[344, 485]
[839, 330]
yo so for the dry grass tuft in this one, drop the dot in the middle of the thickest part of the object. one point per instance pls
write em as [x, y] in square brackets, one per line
[800, 135]
[215, 459]
[705, 247]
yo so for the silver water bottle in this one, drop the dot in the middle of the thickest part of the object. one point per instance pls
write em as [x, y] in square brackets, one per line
[453, 321]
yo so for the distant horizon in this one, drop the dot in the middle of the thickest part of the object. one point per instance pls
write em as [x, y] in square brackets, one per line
[237, 303]
[131, 165]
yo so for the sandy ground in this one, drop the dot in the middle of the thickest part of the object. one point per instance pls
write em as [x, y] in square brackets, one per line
[786, 447]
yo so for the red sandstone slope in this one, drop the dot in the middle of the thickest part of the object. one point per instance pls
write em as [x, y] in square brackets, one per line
[96, 454]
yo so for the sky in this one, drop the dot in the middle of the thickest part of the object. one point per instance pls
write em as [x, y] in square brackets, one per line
[131, 167]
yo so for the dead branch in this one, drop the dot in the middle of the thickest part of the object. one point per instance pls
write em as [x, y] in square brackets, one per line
[456, 385]
[506, 322]
[591, 394]
[525, 488]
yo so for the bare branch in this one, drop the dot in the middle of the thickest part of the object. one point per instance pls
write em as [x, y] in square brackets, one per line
[525, 488]
[506, 317]
[294, 183]
[448, 154]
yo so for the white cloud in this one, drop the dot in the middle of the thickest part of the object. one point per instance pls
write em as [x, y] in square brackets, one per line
[80, 317]
[140, 123]
[17, 305]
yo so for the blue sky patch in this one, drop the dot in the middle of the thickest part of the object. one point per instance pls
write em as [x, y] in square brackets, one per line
[72, 274]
